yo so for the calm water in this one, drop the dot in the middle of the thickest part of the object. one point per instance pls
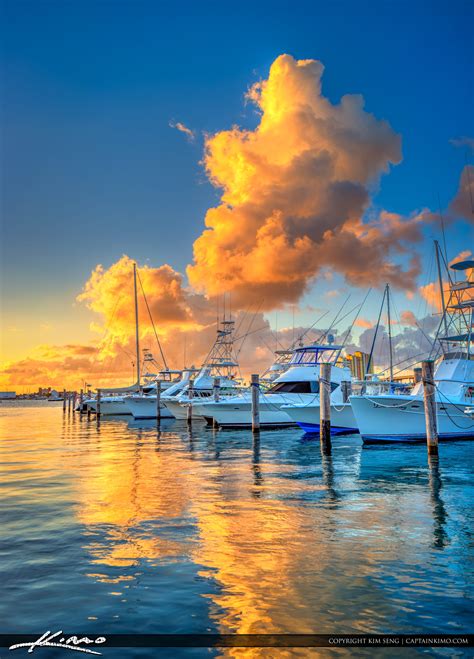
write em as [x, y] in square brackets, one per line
[126, 529]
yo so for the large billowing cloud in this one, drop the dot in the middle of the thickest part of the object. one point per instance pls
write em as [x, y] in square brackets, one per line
[294, 191]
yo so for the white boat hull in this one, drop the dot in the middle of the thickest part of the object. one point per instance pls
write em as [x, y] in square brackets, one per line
[110, 407]
[144, 407]
[402, 419]
[179, 411]
[307, 417]
[237, 413]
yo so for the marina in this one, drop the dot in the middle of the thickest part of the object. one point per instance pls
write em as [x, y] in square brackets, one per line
[237, 329]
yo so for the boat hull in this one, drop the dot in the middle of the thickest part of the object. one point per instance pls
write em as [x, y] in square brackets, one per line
[144, 407]
[110, 407]
[402, 419]
[307, 417]
[177, 410]
[239, 414]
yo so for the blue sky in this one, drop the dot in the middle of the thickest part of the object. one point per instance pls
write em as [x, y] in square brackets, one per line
[93, 170]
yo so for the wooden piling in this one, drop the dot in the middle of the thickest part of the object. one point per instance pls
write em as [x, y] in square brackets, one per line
[346, 388]
[430, 406]
[158, 401]
[325, 406]
[81, 400]
[216, 389]
[99, 396]
[255, 391]
[190, 404]
[64, 400]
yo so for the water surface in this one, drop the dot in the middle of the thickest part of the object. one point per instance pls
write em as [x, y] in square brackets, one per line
[127, 528]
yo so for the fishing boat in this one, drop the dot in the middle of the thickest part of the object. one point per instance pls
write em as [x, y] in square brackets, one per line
[144, 405]
[307, 413]
[400, 417]
[299, 384]
[220, 363]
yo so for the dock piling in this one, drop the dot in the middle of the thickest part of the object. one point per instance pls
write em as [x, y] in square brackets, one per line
[216, 389]
[158, 401]
[346, 388]
[64, 400]
[255, 391]
[430, 406]
[190, 404]
[325, 407]
[99, 396]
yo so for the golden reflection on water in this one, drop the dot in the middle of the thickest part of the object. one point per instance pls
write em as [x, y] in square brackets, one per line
[272, 557]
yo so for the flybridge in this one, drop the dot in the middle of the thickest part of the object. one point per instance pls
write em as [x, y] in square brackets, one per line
[315, 354]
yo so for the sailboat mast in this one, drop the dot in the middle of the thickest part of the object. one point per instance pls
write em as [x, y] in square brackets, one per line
[137, 334]
[387, 288]
[440, 280]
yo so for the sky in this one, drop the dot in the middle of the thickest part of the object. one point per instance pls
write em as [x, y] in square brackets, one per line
[117, 139]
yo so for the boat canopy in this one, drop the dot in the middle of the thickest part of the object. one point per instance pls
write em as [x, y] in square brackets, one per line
[133, 388]
[462, 265]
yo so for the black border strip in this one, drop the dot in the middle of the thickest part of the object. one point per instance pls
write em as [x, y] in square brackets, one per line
[436, 639]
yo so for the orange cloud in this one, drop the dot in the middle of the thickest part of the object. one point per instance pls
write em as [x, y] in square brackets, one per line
[363, 322]
[185, 322]
[430, 292]
[294, 191]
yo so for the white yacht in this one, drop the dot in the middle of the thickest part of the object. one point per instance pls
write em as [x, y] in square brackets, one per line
[299, 384]
[143, 406]
[399, 418]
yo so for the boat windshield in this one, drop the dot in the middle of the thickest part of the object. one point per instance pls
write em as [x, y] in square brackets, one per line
[312, 355]
[305, 387]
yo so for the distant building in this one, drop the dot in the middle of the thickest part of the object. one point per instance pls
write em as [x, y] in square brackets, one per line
[7, 395]
[357, 362]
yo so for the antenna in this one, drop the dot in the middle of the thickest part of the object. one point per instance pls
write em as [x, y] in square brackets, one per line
[367, 368]
[293, 334]
[440, 280]
[442, 228]
[389, 322]
[137, 335]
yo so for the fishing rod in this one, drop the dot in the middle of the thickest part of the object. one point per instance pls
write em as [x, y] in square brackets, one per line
[353, 323]
[153, 324]
[324, 335]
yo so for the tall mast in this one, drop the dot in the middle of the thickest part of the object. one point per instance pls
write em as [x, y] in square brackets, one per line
[387, 288]
[137, 335]
[440, 280]
[367, 368]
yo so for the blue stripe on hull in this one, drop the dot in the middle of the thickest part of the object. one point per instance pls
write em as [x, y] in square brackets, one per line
[335, 430]
[377, 439]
